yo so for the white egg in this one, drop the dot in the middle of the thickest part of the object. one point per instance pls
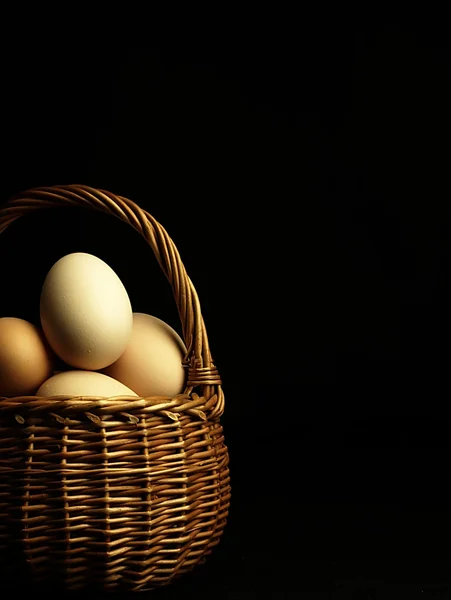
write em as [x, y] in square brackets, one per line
[86, 313]
[83, 383]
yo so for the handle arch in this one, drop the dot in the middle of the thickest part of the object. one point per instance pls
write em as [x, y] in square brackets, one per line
[201, 369]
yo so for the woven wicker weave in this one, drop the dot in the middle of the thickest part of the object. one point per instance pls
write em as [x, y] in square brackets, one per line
[114, 493]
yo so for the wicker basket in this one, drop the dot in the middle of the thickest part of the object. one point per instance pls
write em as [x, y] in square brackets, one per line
[113, 493]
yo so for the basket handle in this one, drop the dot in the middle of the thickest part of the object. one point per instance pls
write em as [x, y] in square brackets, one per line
[201, 370]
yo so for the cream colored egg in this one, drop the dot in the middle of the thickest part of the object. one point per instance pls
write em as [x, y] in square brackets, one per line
[86, 313]
[25, 357]
[83, 383]
[152, 362]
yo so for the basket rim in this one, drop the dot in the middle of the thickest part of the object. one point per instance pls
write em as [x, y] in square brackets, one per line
[193, 404]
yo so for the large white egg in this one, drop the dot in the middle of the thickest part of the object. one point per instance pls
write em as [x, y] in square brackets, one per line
[83, 383]
[86, 313]
[152, 362]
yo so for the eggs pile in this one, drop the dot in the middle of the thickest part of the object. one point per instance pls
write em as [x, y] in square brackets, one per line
[88, 323]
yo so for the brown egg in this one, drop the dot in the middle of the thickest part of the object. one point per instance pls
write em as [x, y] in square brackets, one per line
[152, 362]
[26, 360]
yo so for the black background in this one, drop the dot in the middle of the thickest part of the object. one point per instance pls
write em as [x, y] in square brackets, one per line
[303, 172]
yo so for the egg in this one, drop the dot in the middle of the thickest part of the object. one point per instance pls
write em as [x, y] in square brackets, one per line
[83, 383]
[25, 357]
[86, 313]
[152, 362]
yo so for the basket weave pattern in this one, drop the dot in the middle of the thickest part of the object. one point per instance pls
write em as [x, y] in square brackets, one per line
[115, 493]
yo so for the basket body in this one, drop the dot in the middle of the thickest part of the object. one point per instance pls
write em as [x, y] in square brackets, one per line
[102, 497]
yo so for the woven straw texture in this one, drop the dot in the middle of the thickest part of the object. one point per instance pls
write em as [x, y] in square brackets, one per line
[115, 494]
